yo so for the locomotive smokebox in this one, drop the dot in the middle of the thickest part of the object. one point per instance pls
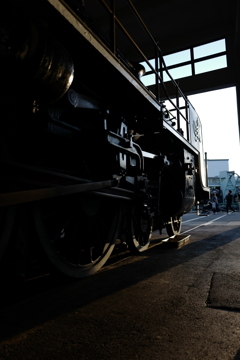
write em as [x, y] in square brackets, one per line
[33, 59]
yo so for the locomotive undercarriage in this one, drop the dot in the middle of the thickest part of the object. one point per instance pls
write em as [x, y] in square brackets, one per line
[118, 192]
[84, 164]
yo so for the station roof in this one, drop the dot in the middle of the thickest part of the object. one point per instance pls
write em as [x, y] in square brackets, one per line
[180, 24]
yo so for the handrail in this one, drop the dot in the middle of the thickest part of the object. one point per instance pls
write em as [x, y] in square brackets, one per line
[158, 51]
[159, 60]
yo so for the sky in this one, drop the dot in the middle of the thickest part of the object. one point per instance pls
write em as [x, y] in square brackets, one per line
[218, 114]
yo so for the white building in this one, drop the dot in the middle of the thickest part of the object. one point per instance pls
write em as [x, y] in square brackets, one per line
[221, 180]
[217, 165]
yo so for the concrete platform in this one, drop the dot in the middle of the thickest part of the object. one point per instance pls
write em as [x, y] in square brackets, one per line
[163, 304]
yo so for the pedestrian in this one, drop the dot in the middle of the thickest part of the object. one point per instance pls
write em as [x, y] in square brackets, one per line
[215, 199]
[229, 198]
[214, 206]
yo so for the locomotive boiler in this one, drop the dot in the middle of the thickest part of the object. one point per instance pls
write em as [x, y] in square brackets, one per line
[90, 156]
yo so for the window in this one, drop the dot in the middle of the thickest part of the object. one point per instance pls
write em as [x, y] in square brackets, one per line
[196, 60]
[179, 72]
[147, 67]
[214, 47]
[211, 64]
[177, 58]
[149, 79]
[214, 181]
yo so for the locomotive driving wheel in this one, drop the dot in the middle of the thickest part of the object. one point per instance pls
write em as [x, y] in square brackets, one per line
[140, 231]
[77, 234]
[174, 225]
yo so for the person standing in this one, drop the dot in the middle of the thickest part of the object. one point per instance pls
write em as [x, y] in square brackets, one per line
[229, 198]
[214, 199]
[214, 207]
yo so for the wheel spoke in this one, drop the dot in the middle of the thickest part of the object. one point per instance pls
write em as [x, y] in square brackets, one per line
[139, 231]
[78, 235]
[174, 225]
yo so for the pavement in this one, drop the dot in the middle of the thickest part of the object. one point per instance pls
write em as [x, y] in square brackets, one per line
[167, 303]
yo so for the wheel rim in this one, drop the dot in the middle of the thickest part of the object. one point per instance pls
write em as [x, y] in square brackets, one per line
[140, 232]
[77, 234]
[174, 225]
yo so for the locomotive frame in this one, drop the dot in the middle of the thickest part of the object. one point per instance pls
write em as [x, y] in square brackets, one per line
[89, 154]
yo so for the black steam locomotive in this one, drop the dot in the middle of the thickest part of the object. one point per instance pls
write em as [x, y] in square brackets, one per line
[90, 156]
